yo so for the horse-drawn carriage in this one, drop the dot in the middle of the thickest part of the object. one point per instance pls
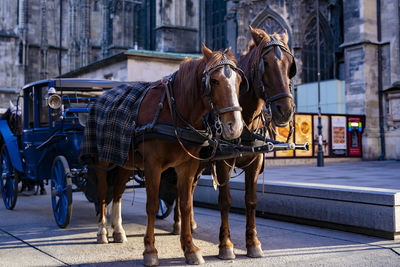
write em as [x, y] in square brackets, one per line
[43, 144]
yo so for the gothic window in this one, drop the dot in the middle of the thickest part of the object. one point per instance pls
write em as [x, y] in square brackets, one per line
[215, 24]
[145, 23]
[96, 6]
[327, 54]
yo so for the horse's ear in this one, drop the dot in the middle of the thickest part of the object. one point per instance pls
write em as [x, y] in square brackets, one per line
[207, 53]
[257, 35]
[284, 36]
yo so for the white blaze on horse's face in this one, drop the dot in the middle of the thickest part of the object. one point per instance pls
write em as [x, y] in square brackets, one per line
[232, 126]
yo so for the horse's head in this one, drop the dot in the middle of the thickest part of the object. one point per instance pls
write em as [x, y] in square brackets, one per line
[274, 69]
[221, 85]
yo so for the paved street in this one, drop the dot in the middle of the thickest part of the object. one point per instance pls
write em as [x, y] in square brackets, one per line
[377, 174]
[30, 237]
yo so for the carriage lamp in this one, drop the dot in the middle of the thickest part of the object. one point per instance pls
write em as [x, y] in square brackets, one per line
[55, 103]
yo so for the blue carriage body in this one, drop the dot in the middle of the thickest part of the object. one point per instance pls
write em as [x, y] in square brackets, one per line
[43, 136]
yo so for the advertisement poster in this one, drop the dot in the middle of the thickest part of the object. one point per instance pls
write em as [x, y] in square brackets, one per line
[303, 133]
[339, 140]
[281, 135]
[325, 134]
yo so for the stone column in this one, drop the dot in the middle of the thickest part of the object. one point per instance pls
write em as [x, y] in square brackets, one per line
[361, 63]
[43, 71]
[22, 40]
[104, 35]
[85, 40]
[73, 45]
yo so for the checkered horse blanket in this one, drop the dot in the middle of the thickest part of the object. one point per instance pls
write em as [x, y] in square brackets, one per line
[111, 123]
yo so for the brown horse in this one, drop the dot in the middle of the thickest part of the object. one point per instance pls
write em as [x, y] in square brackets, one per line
[210, 83]
[268, 65]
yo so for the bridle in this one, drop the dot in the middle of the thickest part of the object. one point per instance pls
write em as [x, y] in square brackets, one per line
[206, 88]
[277, 46]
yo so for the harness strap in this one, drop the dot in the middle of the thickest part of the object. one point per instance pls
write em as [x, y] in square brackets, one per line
[173, 116]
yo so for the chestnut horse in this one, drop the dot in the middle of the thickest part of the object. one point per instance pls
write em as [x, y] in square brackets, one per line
[269, 66]
[210, 83]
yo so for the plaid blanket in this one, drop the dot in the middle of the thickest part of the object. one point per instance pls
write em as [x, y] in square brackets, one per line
[111, 123]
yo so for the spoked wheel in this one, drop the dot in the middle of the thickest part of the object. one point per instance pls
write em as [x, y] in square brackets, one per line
[164, 210]
[61, 191]
[9, 182]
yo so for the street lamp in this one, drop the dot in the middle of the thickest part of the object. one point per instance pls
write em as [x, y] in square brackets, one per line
[320, 154]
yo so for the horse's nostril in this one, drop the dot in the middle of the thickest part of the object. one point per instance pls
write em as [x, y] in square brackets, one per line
[230, 125]
[279, 109]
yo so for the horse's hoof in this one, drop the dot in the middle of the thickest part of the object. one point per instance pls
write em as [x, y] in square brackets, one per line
[255, 252]
[119, 238]
[102, 239]
[226, 254]
[194, 258]
[150, 259]
[177, 229]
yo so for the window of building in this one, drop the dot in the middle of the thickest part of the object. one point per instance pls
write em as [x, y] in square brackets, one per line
[215, 23]
[327, 54]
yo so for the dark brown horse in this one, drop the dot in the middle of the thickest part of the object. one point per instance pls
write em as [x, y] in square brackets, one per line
[221, 79]
[268, 65]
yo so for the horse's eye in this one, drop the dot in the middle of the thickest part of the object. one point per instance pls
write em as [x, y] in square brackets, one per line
[214, 82]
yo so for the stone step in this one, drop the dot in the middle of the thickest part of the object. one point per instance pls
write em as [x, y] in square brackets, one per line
[366, 210]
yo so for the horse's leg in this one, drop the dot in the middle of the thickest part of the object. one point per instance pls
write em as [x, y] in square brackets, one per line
[193, 224]
[120, 181]
[177, 217]
[224, 205]
[253, 245]
[102, 234]
[186, 174]
[153, 174]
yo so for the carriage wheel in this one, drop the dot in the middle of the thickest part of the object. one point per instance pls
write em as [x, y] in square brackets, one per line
[9, 182]
[61, 191]
[164, 210]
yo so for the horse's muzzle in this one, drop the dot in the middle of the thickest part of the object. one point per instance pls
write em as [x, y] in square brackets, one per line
[282, 112]
[232, 129]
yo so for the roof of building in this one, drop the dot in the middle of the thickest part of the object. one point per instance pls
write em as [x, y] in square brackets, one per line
[124, 55]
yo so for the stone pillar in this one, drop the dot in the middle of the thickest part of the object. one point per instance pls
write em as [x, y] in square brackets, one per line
[22, 42]
[73, 45]
[177, 25]
[361, 63]
[85, 40]
[43, 70]
[105, 13]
